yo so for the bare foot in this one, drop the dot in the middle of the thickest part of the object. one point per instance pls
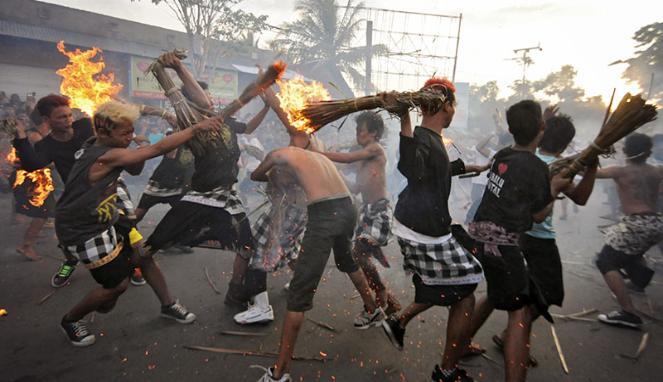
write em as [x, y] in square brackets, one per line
[28, 252]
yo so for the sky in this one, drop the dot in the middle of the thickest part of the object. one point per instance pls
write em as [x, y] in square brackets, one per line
[586, 34]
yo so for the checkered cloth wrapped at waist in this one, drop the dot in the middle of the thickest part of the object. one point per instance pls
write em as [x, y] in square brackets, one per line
[94, 249]
[154, 189]
[444, 263]
[220, 197]
[124, 202]
[278, 234]
[375, 222]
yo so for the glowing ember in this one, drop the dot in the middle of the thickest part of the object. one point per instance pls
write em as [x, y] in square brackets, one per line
[294, 95]
[447, 141]
[42, 184]
[83, 82]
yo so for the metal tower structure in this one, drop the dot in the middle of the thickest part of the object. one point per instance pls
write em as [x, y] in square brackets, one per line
[420, 45]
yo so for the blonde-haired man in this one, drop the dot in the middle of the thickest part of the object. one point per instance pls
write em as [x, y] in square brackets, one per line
[86, 213]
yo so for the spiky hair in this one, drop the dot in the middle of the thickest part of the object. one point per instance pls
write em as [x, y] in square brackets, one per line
[113, 113]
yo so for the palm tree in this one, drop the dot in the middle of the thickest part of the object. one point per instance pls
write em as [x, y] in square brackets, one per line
[324, 34]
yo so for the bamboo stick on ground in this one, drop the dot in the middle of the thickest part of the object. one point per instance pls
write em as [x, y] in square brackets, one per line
[249, 353]
[562, 359]
[211, 283]
[643, 344]
[322, 325]
[46, 297]
[239, 333]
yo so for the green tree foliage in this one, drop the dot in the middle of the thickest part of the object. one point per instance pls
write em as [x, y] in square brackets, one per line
[324, 33]
[206, 20]
[648, 59]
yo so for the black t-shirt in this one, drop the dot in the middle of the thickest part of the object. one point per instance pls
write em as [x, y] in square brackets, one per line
[173, 173]
[518, 186]
[218, 167]
[423, 204]
[49, 150]
[85, 210]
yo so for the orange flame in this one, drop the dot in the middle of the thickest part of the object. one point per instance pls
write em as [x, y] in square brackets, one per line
[42, 181]
[83, 82]
[294, 95]
[447, 141]
[11, 157]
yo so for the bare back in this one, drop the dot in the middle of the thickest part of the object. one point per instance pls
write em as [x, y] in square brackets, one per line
[316, 174]
[371, 177]
[638, 187]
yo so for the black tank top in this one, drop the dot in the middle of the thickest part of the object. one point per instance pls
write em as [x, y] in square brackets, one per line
[85, 210]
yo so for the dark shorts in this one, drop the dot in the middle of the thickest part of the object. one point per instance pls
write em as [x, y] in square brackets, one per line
[148, 201]
[506, 276]
[112, 274]
[545, 267]
[442, 295]
[330, 226]
[633, 267]
[193, 224]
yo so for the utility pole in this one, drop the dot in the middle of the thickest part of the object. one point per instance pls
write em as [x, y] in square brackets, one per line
[453, 74]
[525, 61]
[369, 57]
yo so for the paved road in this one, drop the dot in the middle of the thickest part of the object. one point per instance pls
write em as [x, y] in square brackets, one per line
[134, 344]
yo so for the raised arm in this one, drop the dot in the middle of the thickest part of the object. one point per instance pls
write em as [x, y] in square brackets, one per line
[127, 158]
[194, 91]
[30, 158]
[253, 124]
[275, 104]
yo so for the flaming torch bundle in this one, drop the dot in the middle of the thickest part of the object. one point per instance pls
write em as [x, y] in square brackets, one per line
[188, 114]
[294, 95]
[41, 180]
[631, 113]
[83, 82]
[324, 112]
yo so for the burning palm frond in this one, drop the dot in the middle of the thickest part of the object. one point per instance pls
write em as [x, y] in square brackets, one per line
[324, 112]
[631, 113]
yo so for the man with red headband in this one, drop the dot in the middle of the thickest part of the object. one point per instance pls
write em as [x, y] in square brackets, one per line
[444, 273]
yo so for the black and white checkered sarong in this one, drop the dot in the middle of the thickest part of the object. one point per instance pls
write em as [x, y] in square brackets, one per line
[447, 263]
[220, 197]
[375, 222]
[95, 248]
[124, 202]
[278, 234]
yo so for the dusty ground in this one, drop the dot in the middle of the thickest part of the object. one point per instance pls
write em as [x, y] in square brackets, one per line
[133, 343]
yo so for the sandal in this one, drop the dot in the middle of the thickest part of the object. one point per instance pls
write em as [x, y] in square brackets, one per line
[473, 350]
[499, 342]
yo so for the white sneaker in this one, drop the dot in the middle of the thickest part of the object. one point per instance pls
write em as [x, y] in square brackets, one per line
[269, 375]
[259, 312]
[286, 287]
[365, 320]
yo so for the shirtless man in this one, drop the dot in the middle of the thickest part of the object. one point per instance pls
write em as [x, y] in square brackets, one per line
[278, 231]
[640, 228]
[331, 222]
[374, 226]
